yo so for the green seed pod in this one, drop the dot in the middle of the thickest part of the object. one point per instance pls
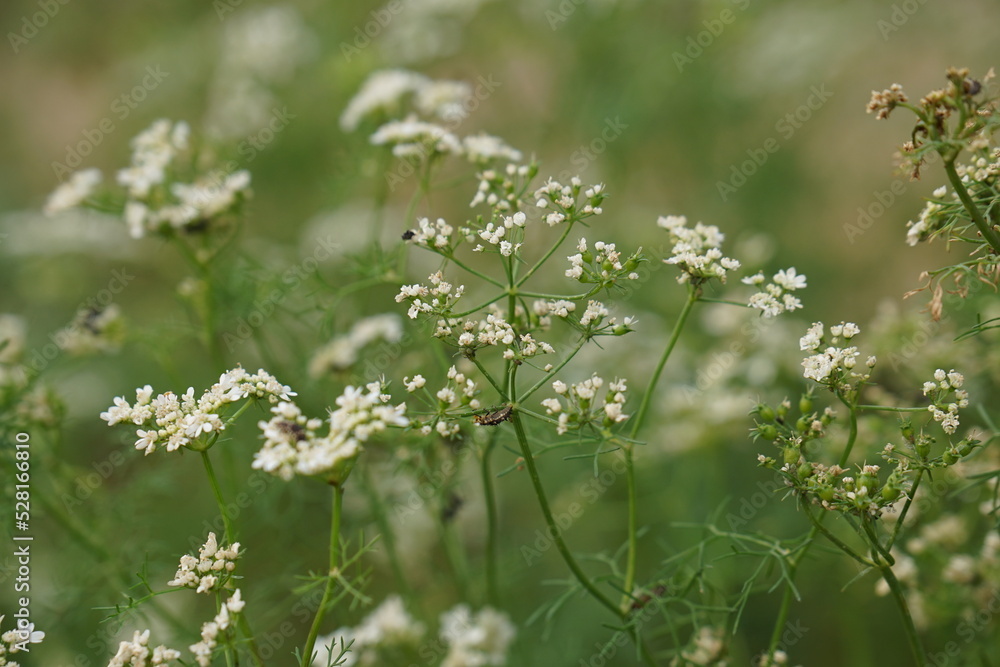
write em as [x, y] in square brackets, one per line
[790, 454]
[767, 431]
[906, 428]
[949, 457]
[765, 412]
[783, 409]
[607, 265]
[805, 470]
[588, 256]
[890, 492]
[826, 493]
[923, 447]
[965, 447]
[802, 424]
[805, 404]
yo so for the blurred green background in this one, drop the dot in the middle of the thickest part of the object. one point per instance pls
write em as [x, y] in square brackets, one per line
[688, 114]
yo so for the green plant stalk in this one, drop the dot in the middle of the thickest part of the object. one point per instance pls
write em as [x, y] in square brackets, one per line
[388, 535]
[219, 500]
[912, 636]
[989, 234]
[332, 575]
[786, 599]
[489, 493]
[906, 508]
[555, 246]
[556, 533]
[637, 423]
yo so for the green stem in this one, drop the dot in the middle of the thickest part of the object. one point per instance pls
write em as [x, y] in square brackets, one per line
[219, 500]
[906, 508]
[557, 538]
[637, 422]
[333, 574]
[552, 373]
[912, 636]
[489, 493]
[786, 599]
[481, 276]
[523, 279]
[989, 234]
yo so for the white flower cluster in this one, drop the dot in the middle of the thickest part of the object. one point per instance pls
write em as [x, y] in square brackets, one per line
[696, 251]
[175, 421]
[494, 331]
[459, 393]
[444, 99]
[928, 222]
[292, 447]
[581, 407]
[71, 193]
[594, 318]
[495, 234]
[210, 631]
[429, 234]
[476, 639]
[708, 647]
[16, 640]
[833, 365]
[387, 626]
[775, 297]
[603, 265]
[939, 391]
[342, 352]
[443, 296]
[501, 190]
[136, 653]
[485, 148]
[416, 138]
[210, 570]
[381, 93]
[93, 330]
[565, 203]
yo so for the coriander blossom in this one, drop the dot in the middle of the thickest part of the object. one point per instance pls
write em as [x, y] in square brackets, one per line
[439, 298]
[293, 447]
[435, 235]
[484, 148]
[174, 422]
[696, 251]
[388, 626]
[499, 189]
[833, 366]
[930, 221]
[947, 398]
[136, 653]
[564, 201]
[210, 631]
[495, 234]
[342, 351]
[152, 152]
[478, 639]
[603, 265]
[93, 330]
[72, 192]
[882, 103]
[382, 92]
[458, 395]
[775, 298]
[447, 100]
[414, 138]
[211, 570]
[579, 408]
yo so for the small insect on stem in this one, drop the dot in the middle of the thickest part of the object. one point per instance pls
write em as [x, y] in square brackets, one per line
[494, 418]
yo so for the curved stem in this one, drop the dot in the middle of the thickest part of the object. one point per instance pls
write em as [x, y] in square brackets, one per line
[989, 234]
[637, 422]
[912, 636]
[331, 577]
[906, 508]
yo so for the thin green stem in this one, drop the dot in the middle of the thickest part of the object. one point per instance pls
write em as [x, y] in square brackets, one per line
[333, 573]
[637, 423]
[489, 493]
[556, 533]
[478, 274]
[219, 500]
[523, 279]
[985, 228]
[552, 373]
[906, 508]
[887, 408]
[912, 636]
[840, 544]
